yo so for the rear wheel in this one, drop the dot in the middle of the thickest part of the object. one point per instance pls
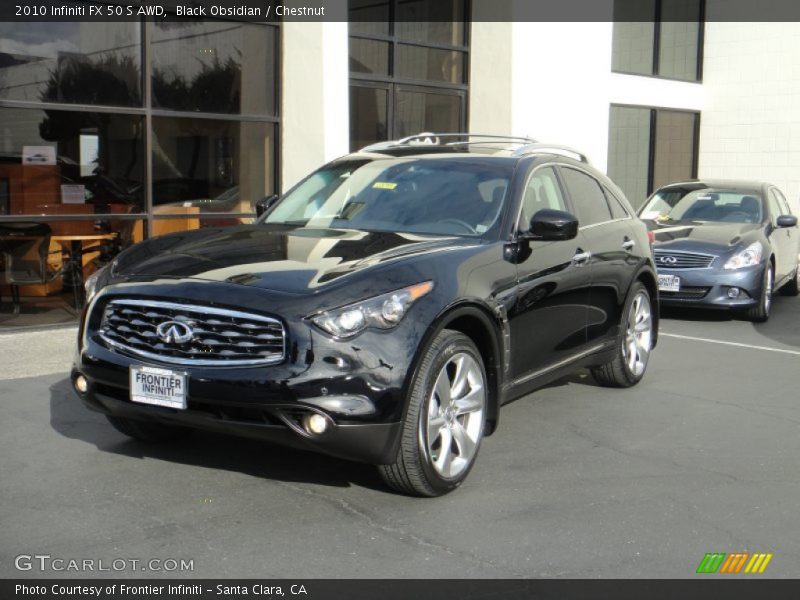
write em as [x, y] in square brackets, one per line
[445, 419]
[147, 431]
[636, 340]
[760, 312]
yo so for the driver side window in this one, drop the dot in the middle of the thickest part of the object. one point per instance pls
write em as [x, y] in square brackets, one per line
[542, 191]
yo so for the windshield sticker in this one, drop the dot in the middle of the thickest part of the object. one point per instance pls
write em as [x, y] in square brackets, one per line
[384, 185]
[651, 214]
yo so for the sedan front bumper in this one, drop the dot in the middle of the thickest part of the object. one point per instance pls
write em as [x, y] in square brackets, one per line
[709, 288]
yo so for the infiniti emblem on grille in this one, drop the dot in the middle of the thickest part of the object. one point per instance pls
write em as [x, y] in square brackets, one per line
[174, 332]
[667, 260]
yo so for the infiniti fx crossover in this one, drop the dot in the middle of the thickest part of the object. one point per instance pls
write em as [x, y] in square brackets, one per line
[382, 310]
[723, 244]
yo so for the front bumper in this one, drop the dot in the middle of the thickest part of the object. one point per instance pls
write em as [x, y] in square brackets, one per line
[358, 384]
[708, 288]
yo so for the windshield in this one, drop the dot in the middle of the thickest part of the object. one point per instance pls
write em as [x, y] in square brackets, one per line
[451, 196]
[706, 204]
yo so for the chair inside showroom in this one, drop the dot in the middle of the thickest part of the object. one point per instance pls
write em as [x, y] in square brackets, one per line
[25, 248]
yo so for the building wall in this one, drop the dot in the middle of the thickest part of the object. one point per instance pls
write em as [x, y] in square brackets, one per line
[750, 126]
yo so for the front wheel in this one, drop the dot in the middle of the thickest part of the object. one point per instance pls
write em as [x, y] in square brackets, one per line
[444, 421]
[636, 341]
[760, 312]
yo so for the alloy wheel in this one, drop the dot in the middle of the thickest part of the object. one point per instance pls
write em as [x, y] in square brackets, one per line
[451, 432]
[768, 290]
[638, 335]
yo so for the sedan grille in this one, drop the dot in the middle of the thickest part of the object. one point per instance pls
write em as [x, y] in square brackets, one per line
[674, 259]
[191, 335]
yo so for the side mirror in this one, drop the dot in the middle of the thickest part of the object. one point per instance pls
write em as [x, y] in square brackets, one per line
[786, 221]
[265, 204]
[552, 225]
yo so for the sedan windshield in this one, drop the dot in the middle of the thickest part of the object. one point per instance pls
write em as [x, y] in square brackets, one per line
[439, 196]
[706, 204]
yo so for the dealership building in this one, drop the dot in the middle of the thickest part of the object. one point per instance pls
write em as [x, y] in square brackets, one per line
[114, 132]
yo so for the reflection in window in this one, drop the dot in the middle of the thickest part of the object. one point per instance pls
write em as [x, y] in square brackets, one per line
[367, 116]
[211, 165]
[369, 56]
[75, 63]
[425, 111]
[430, 64]
[652, 37]
[99, 155]
[214, 66]
[633, 140]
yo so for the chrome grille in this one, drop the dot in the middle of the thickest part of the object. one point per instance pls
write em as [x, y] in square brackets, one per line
[674, 259]
[220, 337]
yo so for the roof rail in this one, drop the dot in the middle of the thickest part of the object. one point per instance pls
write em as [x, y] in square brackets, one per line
[439, 139]
[552, 149]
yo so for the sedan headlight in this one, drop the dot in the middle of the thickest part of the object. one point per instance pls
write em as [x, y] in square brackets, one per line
[92, 284]
[380, 312]
[748, 257]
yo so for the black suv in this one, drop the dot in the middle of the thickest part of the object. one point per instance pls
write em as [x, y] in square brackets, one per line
[382, 310]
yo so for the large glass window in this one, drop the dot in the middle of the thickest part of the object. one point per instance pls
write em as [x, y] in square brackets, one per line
[74, 63]
[408, 68]
[77, 120]
[656, 37]
[215, 67]
[651, 147]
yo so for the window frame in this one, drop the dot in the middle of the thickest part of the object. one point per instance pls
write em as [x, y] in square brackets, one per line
[394, 84]
[148, 112]
[655, 67]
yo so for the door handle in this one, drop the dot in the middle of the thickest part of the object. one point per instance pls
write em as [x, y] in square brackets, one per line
[628, 244]
[581, 258]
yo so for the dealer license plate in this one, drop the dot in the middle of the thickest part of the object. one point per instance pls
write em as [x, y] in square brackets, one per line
[161, 387]
[669, 283]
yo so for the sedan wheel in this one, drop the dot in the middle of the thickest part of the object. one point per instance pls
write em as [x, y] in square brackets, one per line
[760, 312]
[444, 421]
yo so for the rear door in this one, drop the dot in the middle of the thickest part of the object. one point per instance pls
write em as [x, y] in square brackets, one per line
[610, 240]
[548, 320]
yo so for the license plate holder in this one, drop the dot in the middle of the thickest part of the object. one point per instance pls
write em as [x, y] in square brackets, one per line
[158, 387]
[669, 283]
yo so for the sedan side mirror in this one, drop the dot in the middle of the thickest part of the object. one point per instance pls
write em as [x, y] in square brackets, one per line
[786, 221]
[265, 204]
[552, 225]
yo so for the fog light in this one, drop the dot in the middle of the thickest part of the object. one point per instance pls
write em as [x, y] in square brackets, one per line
[81, 384]
[315, 423]
[733, 293]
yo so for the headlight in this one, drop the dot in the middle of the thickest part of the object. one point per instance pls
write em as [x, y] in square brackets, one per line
[92, 284]
[380, 312]
[748, 257]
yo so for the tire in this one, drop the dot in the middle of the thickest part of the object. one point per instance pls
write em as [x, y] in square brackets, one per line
[147, 431]
[445, 419]
[635, 343]
[793, 287]
[760, 312]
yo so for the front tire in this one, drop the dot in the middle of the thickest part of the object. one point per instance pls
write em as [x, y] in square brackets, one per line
[760, 312]
[147, 431]
[445, 419]
[636, 341]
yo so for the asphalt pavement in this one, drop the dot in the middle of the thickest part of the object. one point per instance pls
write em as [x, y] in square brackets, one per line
[579, 481]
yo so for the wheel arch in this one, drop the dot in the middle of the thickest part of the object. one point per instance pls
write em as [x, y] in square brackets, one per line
[479, 324]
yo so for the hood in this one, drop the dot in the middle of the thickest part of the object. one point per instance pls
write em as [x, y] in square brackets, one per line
[280, 258]
[696, 235]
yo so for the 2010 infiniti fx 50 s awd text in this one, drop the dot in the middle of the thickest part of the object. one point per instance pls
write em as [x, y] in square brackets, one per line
[382, 310]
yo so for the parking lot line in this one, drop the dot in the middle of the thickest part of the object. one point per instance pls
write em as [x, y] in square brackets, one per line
[723, 342]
